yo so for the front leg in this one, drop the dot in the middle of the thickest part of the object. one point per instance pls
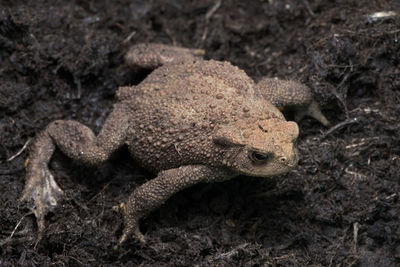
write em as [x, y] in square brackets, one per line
[155, 192]
[291, 95]
[76, 141]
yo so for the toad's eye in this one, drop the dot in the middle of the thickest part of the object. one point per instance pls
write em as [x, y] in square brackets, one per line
[259, 157]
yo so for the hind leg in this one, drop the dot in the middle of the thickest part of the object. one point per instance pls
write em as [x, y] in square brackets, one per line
[151, 56]
[76, 141]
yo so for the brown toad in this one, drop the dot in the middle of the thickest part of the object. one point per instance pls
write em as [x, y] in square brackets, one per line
[189, 121]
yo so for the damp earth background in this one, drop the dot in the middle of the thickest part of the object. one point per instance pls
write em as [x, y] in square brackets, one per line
[340, 206]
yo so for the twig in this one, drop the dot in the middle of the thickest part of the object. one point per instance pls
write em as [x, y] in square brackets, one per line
[307, 5]
[18, 223]
[355, 236]
[233, 252]
[100, 192]
[211, 12]
[8, 239]
[340, 97]
[20, 151]
[339, 125]
[127, 39]
[208, 16]
[384, 33]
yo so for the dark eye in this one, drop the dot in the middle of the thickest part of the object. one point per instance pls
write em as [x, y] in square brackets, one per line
[259, 157]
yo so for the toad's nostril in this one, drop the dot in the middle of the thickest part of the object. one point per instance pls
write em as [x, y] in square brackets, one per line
[283, 159]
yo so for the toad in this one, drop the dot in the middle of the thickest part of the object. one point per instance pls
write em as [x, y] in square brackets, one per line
[189, 121]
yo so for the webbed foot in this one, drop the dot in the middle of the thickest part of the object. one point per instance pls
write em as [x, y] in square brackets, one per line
[131, 227]
[42, 193]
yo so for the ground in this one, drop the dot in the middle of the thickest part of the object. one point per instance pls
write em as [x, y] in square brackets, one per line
[340, 207]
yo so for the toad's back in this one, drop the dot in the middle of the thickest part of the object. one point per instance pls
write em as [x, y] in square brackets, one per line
[177, 107]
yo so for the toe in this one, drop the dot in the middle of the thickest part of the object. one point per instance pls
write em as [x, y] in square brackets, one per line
[42, 193]
[315, 112]
[131, 226]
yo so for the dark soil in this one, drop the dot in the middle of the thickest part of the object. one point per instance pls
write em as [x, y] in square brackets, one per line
[340, 207]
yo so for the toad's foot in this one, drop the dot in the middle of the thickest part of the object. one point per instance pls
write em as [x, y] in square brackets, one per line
[312, 110]
[291, 95]
[41, 192]
[131, 226]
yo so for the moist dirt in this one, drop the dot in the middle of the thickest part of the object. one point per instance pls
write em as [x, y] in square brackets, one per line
[339, 207]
